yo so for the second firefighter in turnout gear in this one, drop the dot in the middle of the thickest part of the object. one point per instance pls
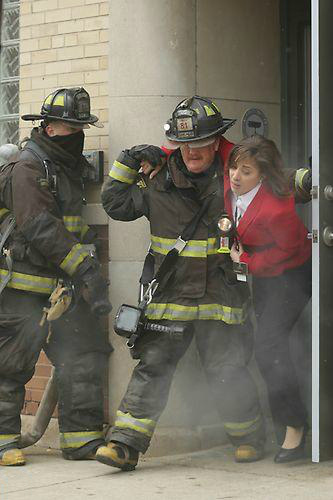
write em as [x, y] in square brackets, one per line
[200, 291]
[44, 239]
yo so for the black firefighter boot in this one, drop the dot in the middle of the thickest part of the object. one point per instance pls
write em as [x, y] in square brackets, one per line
[118, 455]
[251, 447]
[86, 452]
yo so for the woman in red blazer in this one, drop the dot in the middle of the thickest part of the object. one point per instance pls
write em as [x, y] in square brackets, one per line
[272, 244]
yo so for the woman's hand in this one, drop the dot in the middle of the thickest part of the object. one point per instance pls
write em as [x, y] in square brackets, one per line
[236, 251]
[147, 168]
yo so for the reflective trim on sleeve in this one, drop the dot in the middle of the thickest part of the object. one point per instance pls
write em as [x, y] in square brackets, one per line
[122, 173]
[78, 439]
[29, 282]
[3, 211]
[176, 312]
[238, 429]
[6, 439]
[77, 255]
[73, 223]
[142, 425]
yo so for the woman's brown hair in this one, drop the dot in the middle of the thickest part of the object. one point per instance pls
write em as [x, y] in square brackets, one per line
[268, 158]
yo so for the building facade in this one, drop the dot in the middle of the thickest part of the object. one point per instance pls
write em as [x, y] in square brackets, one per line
[137, 60]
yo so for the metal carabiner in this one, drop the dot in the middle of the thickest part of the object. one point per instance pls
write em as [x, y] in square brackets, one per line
[148, 295]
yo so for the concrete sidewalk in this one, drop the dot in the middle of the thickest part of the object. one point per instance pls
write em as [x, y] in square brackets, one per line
[209, 475]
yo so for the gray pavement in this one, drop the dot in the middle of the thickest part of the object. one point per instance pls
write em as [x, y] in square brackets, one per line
[208, 475]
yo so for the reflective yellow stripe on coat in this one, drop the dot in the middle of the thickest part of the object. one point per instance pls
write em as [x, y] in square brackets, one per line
[29, 282]
[194, 248]
[142, 425]
[176, 312]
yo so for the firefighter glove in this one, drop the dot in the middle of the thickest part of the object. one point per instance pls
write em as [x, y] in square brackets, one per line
[94, 288]
[147, 153]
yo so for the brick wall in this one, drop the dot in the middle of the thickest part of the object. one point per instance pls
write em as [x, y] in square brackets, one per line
[64, 43]
[36, 386]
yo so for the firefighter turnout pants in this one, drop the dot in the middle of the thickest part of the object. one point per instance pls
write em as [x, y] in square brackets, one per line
[223, 353]
[78, 349]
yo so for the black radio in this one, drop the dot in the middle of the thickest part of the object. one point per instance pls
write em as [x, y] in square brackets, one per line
[130, 322]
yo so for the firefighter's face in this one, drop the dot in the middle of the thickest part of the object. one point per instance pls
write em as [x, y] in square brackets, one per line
[198, 160]
[61, 128]
[244, 175]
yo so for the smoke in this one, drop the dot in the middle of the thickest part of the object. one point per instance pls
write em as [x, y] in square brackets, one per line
[6, 152]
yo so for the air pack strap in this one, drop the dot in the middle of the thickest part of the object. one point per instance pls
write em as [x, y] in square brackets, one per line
[48, 165]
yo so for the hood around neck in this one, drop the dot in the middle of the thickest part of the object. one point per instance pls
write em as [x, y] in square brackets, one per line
[182, 178]
[54, 150]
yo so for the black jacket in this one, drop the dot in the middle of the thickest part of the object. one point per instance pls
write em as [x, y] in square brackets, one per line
[198, 287]
[46, 200]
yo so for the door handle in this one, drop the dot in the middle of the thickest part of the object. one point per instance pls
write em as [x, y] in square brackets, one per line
[328, 236]
[328, 192]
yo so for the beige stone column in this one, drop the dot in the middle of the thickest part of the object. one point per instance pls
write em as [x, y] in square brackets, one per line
[152, 67]
[161, 51]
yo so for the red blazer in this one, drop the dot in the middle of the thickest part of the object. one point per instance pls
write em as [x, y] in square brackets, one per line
[272, 234]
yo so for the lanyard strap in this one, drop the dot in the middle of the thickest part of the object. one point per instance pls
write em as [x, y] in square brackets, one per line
[171, 257]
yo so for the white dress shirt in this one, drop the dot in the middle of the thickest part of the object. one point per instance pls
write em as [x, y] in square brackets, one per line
[240, 203]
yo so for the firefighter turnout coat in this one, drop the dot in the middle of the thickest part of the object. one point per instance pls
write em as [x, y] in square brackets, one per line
[197, 288]
[198, 291]
[45, 196]
[46, 200]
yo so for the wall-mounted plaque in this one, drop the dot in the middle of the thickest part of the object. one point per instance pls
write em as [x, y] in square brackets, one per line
[254, 122]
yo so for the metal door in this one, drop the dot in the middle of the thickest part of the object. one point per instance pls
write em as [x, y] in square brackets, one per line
[322, 217]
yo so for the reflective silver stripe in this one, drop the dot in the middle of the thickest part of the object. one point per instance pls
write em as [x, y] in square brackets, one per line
[8, 439]
[73, 223]
[78, 439]
[243, 428]
[142, 425]
[230, 315]
[193, 248]
[29, 282]
[122, 173]
[77, 254]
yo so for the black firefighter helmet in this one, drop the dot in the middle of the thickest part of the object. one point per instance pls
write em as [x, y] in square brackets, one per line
[194, 119]
[67, 105]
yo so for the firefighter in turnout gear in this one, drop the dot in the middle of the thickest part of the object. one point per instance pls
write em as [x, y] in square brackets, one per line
[200, 291]
[44, 242]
